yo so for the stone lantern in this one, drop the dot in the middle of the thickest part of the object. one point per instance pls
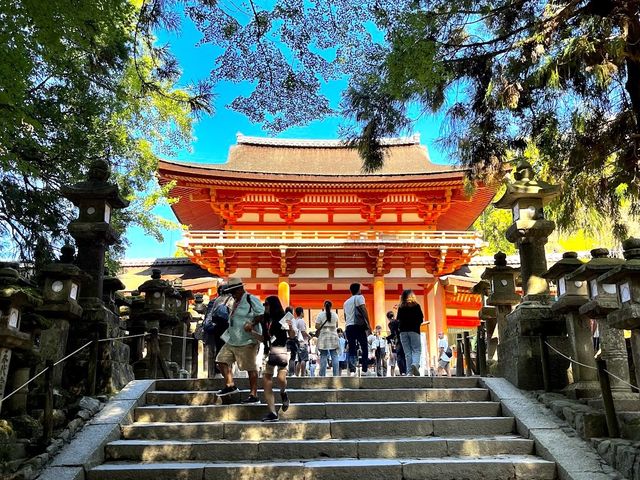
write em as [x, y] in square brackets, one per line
[61, 290]
[19, 334]
[627, 278]
[571, 295]
[158, 314]
[182, 348]
[603, 299]
[519, 348]
[502, 295]
[96, 199]
[487, 314]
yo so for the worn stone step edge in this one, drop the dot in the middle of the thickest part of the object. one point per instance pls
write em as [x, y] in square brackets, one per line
[225, 450]
[448, 468]
[323, 410]
[331, 395]
[321, 429]
[327, 382]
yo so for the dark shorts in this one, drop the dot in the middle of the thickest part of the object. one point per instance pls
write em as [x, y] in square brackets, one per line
[278, 357]
[303, 352]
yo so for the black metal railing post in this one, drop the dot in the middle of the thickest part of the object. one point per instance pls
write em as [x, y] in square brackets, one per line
[481, 346]
[459, 356]
[467, 355]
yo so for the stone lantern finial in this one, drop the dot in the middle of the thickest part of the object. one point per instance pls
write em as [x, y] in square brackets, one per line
[67, 253]
[500, 259]
[631, 247]
[99, 171]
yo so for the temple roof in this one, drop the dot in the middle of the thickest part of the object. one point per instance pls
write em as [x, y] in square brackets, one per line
[321, 158]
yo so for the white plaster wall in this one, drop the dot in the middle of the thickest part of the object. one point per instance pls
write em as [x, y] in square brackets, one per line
[396, 273]
[249, 217]
[347, 218]
[311, 273]
[264, 273]
[352, 272]
[313, 217]
[411, 217]
[273, 218]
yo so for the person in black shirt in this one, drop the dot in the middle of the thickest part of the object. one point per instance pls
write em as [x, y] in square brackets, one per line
[278, 357]
[410, 318]
[396, 345]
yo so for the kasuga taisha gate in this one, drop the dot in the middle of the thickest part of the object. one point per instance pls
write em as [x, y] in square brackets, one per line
[299, 219]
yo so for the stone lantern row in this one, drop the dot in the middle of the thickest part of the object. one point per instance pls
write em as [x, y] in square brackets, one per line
[75, 307]
[604, 289]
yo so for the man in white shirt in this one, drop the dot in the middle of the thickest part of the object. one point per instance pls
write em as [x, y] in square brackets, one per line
[303, 342]
[356, 331]
[444, 358]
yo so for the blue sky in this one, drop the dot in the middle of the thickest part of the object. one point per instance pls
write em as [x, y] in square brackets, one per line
[216, 133]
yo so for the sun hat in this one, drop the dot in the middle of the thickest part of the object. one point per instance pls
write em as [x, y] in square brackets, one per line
[233, 282]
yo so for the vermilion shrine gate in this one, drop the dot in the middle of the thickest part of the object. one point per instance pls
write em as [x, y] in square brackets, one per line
[299, 219]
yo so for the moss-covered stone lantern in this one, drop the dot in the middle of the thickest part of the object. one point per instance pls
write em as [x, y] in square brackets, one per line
[61, 288]
[627, 278]
[526, 198]
[603, 299]
[19, 334]
[96, 199]
[502, 295]
[571, 295]
[156, 292]
[158, 314]
[519, 348]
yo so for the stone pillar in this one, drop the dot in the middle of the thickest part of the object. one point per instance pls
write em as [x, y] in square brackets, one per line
[571, 295]
[518, 350]
[379, 303]
[284, 291]
[487, 314]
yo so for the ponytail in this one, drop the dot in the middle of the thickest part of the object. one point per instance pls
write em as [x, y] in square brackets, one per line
[327, 309]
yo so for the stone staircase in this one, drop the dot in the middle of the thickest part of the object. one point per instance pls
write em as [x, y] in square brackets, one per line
[336, 428]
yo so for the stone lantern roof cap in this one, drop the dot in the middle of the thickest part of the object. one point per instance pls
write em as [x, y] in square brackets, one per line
[526, 186]
[96, 187]
[112, 284]
[567, 264]
[600, 263]
[156, 283]
[500, 262]
[631, 266]
[483, 287]
[64, 270]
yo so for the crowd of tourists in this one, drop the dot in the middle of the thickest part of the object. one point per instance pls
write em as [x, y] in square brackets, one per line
[267, 337]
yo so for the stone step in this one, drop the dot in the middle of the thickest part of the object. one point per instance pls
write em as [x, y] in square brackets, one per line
[305, 411]
[320, 429]
[447, 468]
[231, 451]
[327, 382]
[183, 397]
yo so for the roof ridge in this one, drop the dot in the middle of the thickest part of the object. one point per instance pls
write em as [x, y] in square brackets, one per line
[319, 143]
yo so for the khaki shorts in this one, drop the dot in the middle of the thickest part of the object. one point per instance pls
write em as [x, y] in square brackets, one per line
[245, 356]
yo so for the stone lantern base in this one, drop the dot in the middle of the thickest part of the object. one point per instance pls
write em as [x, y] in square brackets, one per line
[519, 349]
[114, 371]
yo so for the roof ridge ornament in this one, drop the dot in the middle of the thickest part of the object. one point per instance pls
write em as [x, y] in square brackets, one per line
[318, 143]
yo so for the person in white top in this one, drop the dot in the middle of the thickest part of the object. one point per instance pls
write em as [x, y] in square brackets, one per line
[379, 347]
[303, 345]
[443, 351]
[357, 326]
[328, 341]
